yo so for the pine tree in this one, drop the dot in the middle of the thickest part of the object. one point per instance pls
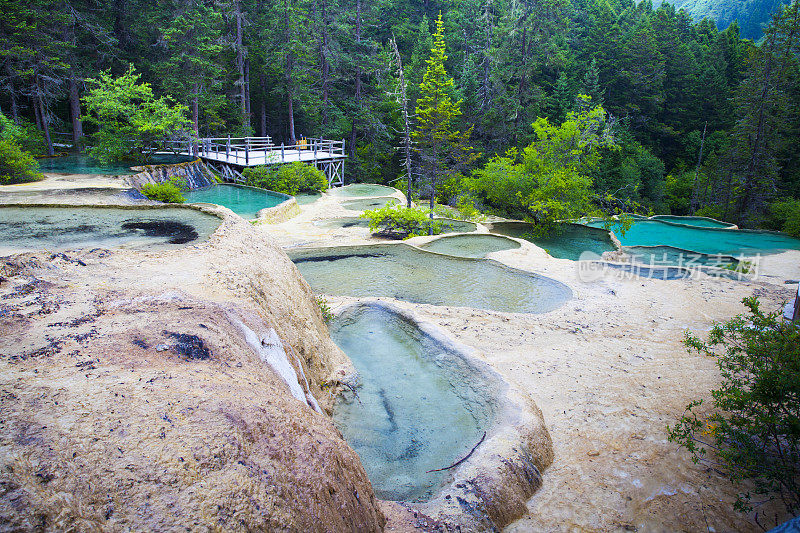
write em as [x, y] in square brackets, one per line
[192, 41]
[444, 151]
[591, 83]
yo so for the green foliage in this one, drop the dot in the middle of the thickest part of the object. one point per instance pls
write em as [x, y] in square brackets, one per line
[289, 179]
[324, 308]
[679, 192]
[166, 191]
[25, 135]
[785, 216]
[444, 151]
[400, 222]
[548, 182]
[194, 45]
[299, 67]
[753, 430]
[751, 15]
[16, 165]
[131, 121]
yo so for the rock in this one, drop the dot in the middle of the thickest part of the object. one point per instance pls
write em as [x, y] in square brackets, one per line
[199, 433]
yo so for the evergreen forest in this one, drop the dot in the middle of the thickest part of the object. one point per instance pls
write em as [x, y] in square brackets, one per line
[513, 107]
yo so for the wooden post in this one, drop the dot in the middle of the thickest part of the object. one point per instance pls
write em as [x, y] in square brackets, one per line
[315, 151]
[282, 154]
[247, 151]
[228, 149]
[796, 315]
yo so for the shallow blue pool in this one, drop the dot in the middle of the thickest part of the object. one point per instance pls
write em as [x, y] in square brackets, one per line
[712, 241]
[243, 200]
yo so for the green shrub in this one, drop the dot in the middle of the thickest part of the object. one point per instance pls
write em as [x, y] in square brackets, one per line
[400, 222]
[25, 135]
[753, 431]
[166, 191]
[325, 309]
[785, 216]
[711, 211]
[17, 165]
[289, 179]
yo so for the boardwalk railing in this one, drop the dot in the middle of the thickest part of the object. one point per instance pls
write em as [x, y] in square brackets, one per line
[245, 151]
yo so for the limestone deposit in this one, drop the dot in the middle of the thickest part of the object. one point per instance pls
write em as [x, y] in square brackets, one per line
[134, 398]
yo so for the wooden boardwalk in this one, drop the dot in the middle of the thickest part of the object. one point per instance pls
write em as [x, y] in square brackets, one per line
[234, 154]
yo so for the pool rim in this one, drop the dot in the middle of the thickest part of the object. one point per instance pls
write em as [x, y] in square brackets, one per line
[528, 273]
[460, 235]
[518, 431]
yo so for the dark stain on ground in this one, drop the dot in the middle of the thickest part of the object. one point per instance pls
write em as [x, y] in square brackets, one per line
[189, 346]
[176, 232]
[66, 258]
[140, 343]
[320, 258]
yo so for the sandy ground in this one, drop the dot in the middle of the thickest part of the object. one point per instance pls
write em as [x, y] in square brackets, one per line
[609, 372]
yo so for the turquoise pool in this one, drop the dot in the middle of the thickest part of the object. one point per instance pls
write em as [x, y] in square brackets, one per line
[711, 241]
[473, 245]
[419, 407]
[569, 243]
[700, 222]
[83, 164]
[407, 273]
[243, 200]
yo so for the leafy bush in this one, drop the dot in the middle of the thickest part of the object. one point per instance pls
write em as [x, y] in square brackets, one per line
[131, 121]
[25, 135]
[16, 165]
[400, 222]
[166, 191]
[711, 211]
[754, 428]
[288, 179]
[785, 216]
[549, 180]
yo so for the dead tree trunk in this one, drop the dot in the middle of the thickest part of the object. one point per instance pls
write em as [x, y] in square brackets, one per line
[358, 87]
[263, 111]
[75, 110]
[325, 65]
[695, 198]
[44, 118]
[401, 94]
[240, 65]
[289, 76]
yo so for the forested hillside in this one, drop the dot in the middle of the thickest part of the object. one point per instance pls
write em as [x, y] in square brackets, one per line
[751, 15]
[703, 121]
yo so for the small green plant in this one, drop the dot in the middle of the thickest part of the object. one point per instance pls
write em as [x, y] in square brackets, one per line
[166, 191]
[753, 431]
[17, 165]
[398, 222]
[288, 179]
[325, 309]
